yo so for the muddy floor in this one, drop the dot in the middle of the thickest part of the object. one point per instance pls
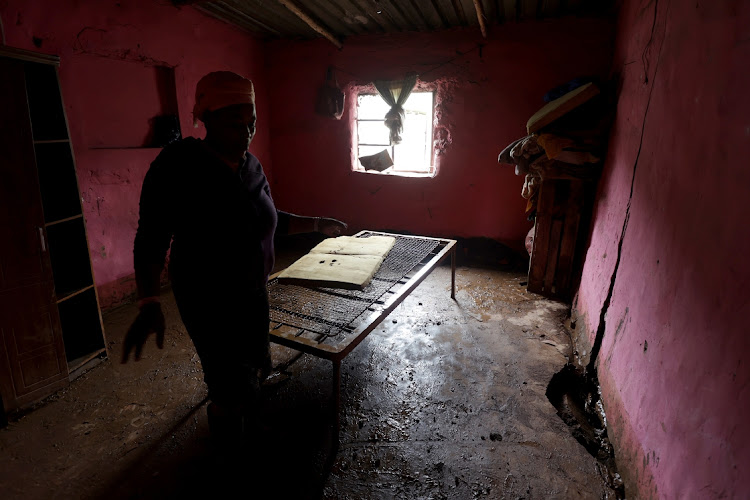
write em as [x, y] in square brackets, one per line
[444, 400]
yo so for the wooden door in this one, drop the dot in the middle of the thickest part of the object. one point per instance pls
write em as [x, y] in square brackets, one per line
[32, 355]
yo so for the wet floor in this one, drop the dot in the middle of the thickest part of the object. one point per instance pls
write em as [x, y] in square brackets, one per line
[444, 400]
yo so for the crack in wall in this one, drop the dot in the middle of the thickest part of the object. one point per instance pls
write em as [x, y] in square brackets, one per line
[591, 367]
[573, 391]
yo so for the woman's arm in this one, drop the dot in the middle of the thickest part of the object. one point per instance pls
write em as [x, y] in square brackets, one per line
[152, 240]
[296, 224]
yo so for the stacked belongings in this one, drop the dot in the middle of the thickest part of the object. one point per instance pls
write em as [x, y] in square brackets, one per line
[566, 140]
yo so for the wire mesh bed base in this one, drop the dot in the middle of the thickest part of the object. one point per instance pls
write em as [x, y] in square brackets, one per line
[325, 321]
[330, 322]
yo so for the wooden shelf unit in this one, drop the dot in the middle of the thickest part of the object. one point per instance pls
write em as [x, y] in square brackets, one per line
[51, 317]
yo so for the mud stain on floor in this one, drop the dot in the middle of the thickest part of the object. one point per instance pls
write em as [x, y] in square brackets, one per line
[445, 399]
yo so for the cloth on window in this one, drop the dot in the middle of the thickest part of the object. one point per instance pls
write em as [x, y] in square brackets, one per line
[395, 93]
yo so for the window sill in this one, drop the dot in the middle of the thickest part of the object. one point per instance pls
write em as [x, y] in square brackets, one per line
[423, 175]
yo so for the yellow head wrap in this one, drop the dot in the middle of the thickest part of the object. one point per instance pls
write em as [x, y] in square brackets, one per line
[221, 89]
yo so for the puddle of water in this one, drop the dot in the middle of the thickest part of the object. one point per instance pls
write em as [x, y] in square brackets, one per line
[577, 400]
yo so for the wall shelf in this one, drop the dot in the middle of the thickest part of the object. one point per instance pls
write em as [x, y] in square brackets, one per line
[69, 252]
[57, 180]
[81, 324]
[77, 366]
[48, 224]
[73, 294]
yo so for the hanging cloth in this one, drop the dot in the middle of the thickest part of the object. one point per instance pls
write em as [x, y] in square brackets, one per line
[395, 93]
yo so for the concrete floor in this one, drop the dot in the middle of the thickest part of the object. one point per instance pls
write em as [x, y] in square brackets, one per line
[445, 399]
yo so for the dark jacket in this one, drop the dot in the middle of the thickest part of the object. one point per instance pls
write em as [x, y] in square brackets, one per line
[220, 223]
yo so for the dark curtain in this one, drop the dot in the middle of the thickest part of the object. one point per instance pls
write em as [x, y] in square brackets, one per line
[395, 93]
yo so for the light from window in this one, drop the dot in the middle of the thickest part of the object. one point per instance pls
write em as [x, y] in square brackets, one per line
[414, 155]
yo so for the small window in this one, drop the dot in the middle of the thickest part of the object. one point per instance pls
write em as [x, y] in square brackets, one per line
[413, 157]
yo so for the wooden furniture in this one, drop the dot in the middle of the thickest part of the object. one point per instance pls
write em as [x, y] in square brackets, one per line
[50, 322]
[329, 323]
[559, 211]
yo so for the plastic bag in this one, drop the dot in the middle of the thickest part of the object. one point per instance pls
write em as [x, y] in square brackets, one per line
[331, 98]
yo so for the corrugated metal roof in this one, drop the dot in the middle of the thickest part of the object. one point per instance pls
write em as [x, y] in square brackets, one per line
[338, 19]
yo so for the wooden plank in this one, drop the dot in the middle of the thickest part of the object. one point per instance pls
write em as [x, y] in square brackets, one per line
[543, 224]
[553, 254]
[569, 238]
[480, 17]
[538, 262]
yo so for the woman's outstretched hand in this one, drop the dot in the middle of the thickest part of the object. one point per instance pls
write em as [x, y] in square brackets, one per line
[331, 227]
[150, 319]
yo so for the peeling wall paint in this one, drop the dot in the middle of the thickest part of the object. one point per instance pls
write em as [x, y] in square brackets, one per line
[664, 285]
[485, 92]
[96, 38]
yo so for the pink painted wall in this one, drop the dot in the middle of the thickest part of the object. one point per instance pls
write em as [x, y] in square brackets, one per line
[483, 101]
[108, 50]
[673, 365]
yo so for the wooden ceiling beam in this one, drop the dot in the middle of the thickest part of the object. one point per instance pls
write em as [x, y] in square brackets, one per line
[480, 16]
[311, 22]
[231, 15]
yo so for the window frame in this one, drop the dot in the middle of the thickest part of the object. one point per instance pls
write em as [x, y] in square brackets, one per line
[357, 166]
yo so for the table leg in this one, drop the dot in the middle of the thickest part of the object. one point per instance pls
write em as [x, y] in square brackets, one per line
[336, 402]
[453, 273]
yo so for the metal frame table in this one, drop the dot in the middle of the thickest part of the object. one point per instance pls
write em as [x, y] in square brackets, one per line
[329, 323]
